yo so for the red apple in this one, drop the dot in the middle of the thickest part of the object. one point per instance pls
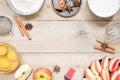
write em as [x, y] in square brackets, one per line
[113, 64]
[115, 75]
[104, 62]
[89, 75]
[42, 73]
[104, 74]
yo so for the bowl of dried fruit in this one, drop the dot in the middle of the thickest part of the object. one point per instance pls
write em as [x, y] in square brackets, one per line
[66, 8]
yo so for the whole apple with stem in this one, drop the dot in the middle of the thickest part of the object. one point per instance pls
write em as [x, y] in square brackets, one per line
[42, 73]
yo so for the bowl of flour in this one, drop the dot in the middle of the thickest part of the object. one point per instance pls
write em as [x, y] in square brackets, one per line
[104, 8]
[25, 7]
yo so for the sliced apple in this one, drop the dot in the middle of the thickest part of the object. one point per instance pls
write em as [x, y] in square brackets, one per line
[23, 72]
[89, 75]
[115, 75]
[85, 79]
[98, 66]
[98, 77]
[104, 62]
[113, 64]
[93, 67]
[104, 74]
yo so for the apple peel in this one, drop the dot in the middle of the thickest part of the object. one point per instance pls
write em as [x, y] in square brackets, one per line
[113, 64]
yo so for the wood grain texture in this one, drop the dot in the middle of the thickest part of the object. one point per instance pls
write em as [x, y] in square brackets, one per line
[67, 42]
[47, 13]
[60, 36]
[77, 61]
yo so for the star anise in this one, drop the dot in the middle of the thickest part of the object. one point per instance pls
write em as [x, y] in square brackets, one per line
[69, 8]
[28, 26]
[104, 45]
[76, 3]
[56, 69]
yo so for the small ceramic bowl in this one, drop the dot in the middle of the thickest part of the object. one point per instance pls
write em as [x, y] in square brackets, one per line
[104, 8]
[6, 25]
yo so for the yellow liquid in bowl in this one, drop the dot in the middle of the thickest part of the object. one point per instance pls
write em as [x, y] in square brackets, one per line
[9, 59]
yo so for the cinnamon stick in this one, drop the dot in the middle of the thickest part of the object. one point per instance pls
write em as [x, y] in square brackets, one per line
[26, 32]
[17, 22]
[22, 28]
[102, 42]
[106, 50]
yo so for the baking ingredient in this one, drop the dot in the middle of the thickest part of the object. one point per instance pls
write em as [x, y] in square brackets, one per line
[104, 74]
[56, 69]
[113, 64]
[12, 55]
[60, 5]
[21, 27]
[89, 75]
[26, 6]
[69, 8]
[109, 70]
[76, 3]
[104, 62]
[115, 75]
[42, 73]
[3, 50]
[23, 72]
[8, 58]
[28, 26]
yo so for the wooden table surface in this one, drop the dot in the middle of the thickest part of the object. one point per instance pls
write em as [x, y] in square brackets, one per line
[67, 42]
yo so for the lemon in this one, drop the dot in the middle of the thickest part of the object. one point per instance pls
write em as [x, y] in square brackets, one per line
[5, 63]
[3, 50]
[12, 55]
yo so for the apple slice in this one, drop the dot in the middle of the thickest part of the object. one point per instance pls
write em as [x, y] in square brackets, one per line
[85, 79]
[89, 75]
[113, 64]
[23, 72]
[98, 66]
[115, 75]
[104, 62]
[95, 67]
[104, 74]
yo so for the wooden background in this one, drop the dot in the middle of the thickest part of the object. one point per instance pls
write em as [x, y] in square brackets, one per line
[67, 42]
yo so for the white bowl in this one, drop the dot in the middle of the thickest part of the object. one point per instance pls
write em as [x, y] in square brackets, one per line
[104, 8]
[19, 7]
